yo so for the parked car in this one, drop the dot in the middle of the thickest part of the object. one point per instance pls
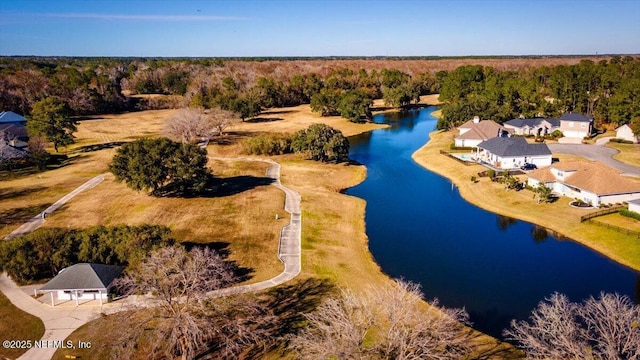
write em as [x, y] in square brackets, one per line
[528, 166]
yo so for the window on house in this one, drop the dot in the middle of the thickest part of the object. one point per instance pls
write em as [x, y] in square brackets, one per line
[583, 125]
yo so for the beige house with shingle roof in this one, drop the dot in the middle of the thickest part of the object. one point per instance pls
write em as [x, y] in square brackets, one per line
[475, 131]
[588, 181]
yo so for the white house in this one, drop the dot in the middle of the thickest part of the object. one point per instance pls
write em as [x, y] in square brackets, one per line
[512, 152]
[588, 181]
[624, 132]
[634, 205]
[475, 131]
[82, 282]
[575, 126]
[535, 126]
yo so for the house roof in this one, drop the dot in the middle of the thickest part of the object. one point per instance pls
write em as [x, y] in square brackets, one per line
[482, 130]
[513, 146]
[8, 152]
[591, 176]
[11, 117]
[575, 117]
[84, 276]
[635, 202]
[625, 126]
[519, 123]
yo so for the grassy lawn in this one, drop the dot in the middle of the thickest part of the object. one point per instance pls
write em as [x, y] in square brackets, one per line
[618, 220]
[16, 324]
[629, 153]
[557, 216]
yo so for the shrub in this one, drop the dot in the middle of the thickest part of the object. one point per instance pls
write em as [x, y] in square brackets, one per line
[44, 252]
[461, 148]
[474, 179]
[491, 173]
[268, 144]
[631, 214]
[621, 141]
[556, 134]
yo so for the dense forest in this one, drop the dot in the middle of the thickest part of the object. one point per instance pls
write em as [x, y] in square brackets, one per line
[607, 88]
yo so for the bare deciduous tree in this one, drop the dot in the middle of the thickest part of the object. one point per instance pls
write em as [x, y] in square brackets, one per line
[220, 120]
[604, 328]
[390, 323]
[188, 125]
[181, 319]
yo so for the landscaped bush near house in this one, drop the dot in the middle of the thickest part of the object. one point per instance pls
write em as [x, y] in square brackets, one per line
[621, 141]
[44, 252]
[556, 134]
[268, 144]
[631, 214]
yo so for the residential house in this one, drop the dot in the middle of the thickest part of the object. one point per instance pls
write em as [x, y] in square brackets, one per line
[624, 132]
[9, 150]
[589, 181]
[83, 282]
[535, 126]
[13, 126]
[634, 205]
[513, 152]
[575, 126]
[475, 131]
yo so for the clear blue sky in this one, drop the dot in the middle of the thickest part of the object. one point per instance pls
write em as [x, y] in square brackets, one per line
[318, 28]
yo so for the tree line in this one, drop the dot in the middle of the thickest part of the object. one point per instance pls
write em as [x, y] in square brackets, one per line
[609, 91]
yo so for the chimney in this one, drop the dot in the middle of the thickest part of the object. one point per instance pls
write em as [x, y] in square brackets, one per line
[476, 119]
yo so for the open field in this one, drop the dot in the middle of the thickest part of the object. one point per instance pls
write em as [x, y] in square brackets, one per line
[557, 216]
[16, 324]
[333, 237]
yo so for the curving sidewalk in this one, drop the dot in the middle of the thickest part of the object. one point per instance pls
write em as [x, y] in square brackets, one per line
[61, 321]
[289, 249]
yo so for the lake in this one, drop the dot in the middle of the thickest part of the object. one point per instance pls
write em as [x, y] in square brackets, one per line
[419, 228]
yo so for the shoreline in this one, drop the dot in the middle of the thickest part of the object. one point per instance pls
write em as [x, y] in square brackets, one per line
[581, 233]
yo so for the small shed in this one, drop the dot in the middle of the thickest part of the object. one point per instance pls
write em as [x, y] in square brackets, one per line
[624, 132]
[84, 281]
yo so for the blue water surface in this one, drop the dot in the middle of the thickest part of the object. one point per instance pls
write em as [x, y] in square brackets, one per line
[420, 229]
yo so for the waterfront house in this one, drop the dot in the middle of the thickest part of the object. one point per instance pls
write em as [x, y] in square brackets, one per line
[575, 127]
[589, 181]
[535, 126]
[476, 131]
[512, 152]
[83, 282]
[624, 132]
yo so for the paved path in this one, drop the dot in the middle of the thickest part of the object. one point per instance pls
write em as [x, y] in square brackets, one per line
[37, 221]
[603, 140]
[599, 153]
[289, 249]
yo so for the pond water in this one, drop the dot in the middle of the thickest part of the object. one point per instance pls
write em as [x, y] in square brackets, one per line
[498, 268]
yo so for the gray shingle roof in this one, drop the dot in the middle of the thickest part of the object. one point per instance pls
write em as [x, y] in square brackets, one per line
[575, 117]
[8, 152]
[513, 146]
[524, 122]
[84, 277]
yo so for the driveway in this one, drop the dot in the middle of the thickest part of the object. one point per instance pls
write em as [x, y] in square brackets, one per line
[602, 154]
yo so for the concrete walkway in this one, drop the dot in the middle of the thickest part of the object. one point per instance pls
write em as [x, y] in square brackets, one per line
[61, 321]
[37, 221]
[289, 249]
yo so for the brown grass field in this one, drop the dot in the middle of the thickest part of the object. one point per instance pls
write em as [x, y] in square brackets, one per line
[557, 216]
[334, 241]
[16, 324]
[629, 153]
